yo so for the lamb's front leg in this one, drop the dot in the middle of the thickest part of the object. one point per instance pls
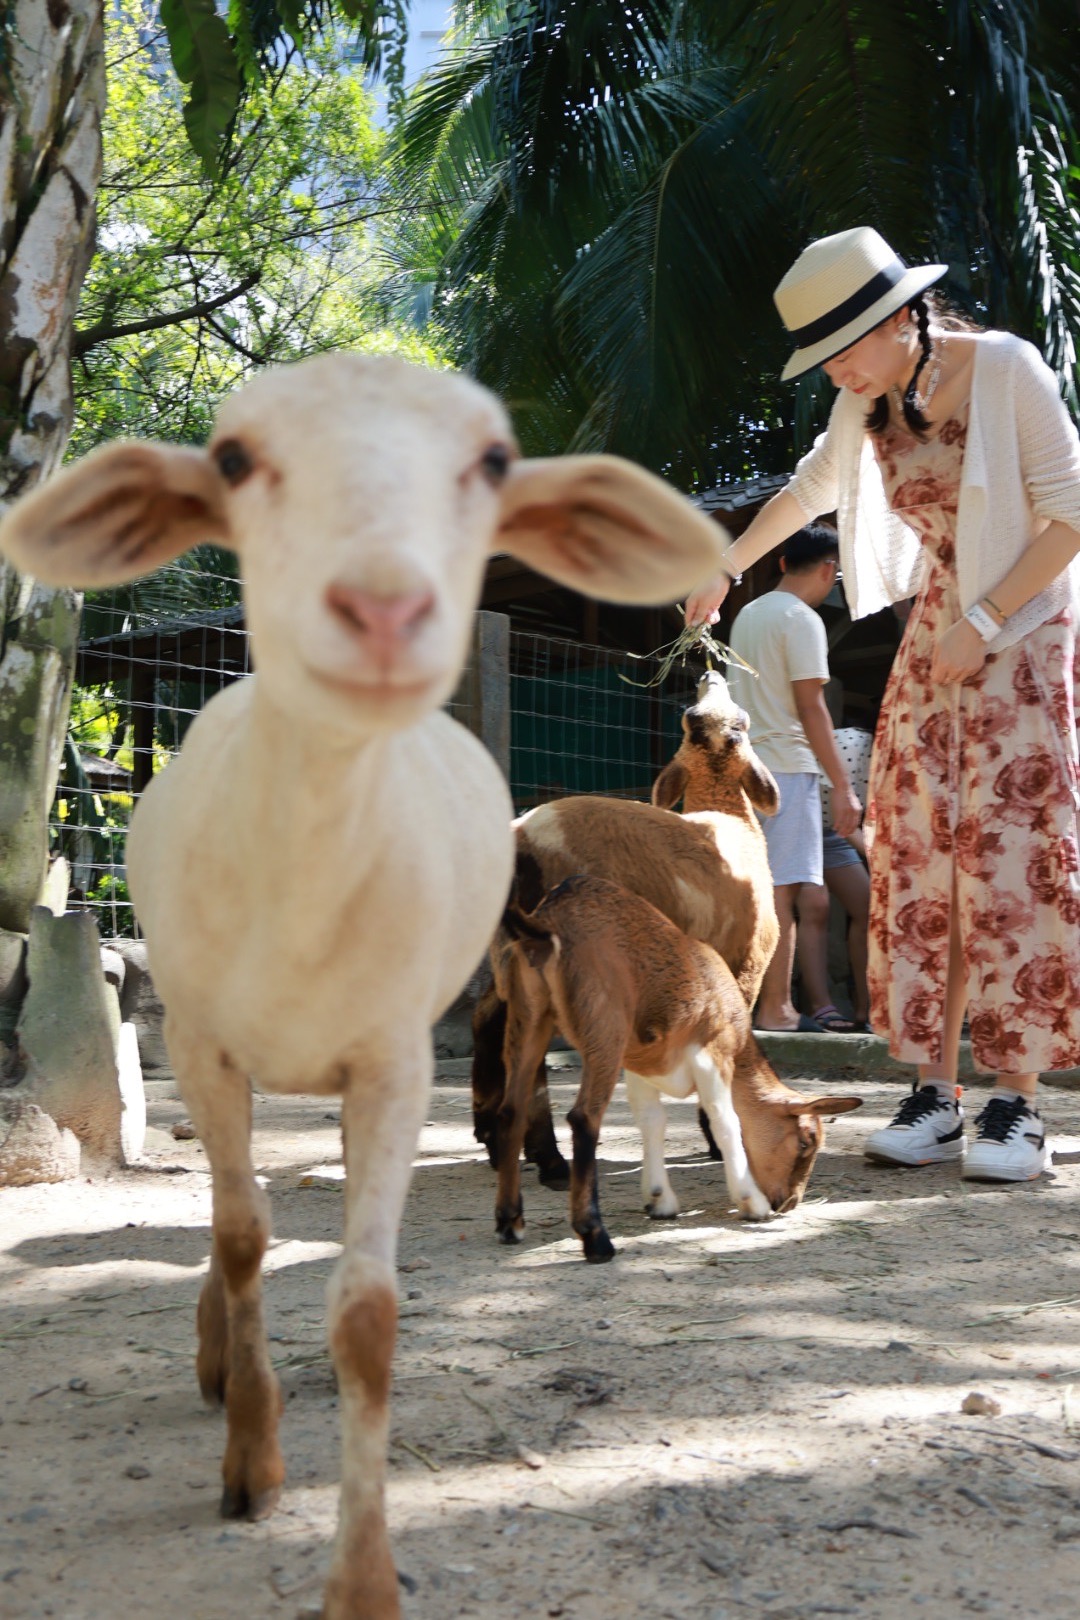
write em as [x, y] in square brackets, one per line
[650, 1116]
[714, 1094]
[382, 1112]
[233, 1361]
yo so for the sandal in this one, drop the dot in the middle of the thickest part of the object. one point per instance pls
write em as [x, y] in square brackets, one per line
[833, 1021]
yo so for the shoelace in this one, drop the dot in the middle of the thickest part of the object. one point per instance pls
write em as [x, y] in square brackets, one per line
[923, 1100]
[1000, 1118]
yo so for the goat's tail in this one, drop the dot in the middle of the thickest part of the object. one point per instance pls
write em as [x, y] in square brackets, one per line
[538, 943]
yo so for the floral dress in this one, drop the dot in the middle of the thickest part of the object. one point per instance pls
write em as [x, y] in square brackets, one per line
[973, 784]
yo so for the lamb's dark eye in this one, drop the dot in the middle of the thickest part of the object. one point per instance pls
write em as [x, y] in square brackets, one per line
[495, 463]
[234, 461]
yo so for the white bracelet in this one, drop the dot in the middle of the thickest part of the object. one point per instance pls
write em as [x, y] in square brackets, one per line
[982, 621]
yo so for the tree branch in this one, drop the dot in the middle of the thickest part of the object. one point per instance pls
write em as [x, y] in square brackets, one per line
[106, 331]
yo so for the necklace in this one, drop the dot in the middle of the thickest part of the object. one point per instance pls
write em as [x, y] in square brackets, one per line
[924, 396]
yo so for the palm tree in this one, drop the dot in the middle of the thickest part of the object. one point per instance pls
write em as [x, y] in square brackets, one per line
[623, 184]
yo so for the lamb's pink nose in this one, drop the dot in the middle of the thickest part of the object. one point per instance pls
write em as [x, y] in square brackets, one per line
[384, 620]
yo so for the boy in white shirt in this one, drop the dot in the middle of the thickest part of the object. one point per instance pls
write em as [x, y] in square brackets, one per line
[782, 636]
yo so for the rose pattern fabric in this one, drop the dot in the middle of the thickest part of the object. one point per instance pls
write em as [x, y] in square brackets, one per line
[976, 784]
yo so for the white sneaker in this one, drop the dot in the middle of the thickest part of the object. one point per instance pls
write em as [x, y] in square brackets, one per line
[928, 1129]
[1010, 1143]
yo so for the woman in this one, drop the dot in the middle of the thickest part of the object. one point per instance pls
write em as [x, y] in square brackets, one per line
[954, 471]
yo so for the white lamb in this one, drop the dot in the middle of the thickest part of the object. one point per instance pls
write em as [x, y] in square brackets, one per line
[326, 861]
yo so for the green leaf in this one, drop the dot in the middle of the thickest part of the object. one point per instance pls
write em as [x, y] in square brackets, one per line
[205, 60]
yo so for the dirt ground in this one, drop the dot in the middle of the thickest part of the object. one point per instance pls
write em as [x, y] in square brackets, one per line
[728, 1421]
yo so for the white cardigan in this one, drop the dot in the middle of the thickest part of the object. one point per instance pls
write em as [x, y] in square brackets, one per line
[1021, 472]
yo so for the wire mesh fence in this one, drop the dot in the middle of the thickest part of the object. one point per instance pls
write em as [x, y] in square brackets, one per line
[582, 719]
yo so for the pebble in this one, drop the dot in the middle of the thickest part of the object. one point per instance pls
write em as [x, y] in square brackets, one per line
[183, 1131]
[421, 1263]
[979, 1405]
[137, 1471]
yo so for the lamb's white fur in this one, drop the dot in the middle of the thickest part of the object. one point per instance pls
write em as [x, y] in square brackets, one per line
[325, 862]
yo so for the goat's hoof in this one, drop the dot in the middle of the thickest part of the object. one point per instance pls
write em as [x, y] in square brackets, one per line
[598, 1247]
[755, 1209]
[512, 1232]
[238, 1503]
[555, 1174]
[660, 1211]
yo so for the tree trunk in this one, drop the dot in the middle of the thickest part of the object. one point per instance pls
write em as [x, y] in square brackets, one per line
[52, 92]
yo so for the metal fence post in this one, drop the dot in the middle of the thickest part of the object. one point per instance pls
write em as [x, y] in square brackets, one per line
[482, 700]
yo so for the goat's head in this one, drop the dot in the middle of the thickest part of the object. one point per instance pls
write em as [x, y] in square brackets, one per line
[363, 496]
[716, 746]
[782, 1134]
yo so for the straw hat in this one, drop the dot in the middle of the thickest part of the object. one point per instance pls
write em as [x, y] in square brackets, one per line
[839, 288]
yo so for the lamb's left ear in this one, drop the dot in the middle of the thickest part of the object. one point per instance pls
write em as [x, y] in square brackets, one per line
[607, 528]
[118, 513]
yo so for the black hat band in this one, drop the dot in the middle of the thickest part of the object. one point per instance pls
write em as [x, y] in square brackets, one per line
[835, 321]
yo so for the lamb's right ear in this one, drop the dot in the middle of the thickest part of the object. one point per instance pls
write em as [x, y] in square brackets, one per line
[120, 512]
[670, 785]
[759, 785]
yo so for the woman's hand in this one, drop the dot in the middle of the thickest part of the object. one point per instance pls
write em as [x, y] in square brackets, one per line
[959, 655]
[703, 605]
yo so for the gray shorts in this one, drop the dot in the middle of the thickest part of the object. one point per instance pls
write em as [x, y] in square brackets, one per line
[793, 835]
[838, 851]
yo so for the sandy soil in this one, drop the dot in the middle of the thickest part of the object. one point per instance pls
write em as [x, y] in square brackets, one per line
[726, 1422]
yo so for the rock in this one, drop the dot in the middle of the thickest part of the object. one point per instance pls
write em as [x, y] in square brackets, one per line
[114, 968]
[33, 1148]
[141, 1005]
[184, 1131]
[979, 1405]
[82, 1067]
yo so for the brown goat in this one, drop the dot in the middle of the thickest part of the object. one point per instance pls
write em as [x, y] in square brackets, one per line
[627, 987]
[707, 871]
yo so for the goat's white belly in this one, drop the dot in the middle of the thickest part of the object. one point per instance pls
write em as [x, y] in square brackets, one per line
[678, 1082]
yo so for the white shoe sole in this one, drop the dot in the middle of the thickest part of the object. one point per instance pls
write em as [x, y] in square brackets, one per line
[974, 1170]
[912, 1156]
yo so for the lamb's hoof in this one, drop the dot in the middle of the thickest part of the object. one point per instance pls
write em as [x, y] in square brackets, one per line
[237, 1503]
[511, 1234]
[755, 1208]
[662, 1212]
[555, 1174]
[598, 1247]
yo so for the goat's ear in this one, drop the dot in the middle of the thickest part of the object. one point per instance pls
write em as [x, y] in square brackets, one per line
[670, 785]
[118, 513]
[824, 1105]
[607, 528]
[760, 787]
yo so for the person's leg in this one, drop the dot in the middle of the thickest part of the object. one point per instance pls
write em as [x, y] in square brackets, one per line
[775, 1009]
[851, 886]
[928, 1127]
[812, 942]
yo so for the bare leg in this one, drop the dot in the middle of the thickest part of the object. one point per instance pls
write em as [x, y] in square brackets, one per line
[382, 1111]
[650, 1115]
[775, 1007]
[812, 942]
[851, 886]
[233, 1361]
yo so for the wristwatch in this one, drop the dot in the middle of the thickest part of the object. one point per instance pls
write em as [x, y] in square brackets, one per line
[983, 621]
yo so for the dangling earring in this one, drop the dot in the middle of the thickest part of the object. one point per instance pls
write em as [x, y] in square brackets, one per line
[903, 333]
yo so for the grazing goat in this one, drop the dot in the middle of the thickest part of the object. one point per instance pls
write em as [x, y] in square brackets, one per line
[325, 862]
[626, 986]
[707, 871]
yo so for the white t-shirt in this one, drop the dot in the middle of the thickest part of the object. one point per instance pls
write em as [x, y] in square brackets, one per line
[784, 640]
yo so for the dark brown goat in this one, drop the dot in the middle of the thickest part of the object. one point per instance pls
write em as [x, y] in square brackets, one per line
[628, 988]
[707, 871]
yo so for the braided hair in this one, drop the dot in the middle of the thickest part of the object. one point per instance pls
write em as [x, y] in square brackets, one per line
[878, 420]
[922, 309]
